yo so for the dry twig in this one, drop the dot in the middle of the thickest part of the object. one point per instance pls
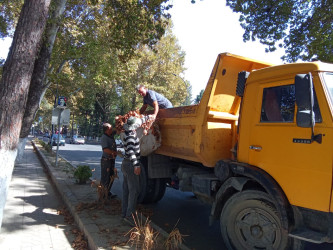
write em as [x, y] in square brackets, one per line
[175, 239]
[142, 235]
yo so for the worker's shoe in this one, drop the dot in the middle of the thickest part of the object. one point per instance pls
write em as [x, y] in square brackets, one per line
[111, 196]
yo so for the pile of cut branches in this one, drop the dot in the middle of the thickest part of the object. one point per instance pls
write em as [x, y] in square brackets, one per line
[122, 119]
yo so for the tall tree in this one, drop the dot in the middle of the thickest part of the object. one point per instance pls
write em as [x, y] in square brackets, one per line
[157, 69]
[38, 83]
[188, 100]
[14, 85]
[303, 28]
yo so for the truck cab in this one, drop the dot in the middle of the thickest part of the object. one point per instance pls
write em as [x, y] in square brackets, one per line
[271, 139]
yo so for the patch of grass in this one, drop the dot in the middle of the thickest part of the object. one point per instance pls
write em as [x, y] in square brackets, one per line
[82, 173]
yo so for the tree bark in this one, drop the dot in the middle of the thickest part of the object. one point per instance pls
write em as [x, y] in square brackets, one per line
[38, 84]
[14, 85]
[18, 68]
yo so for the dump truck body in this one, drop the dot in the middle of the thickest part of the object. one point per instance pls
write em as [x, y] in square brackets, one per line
[259, 145]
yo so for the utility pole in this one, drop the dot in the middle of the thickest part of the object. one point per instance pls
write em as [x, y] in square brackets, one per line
[62, 109]
[72, 125]
[58, 139]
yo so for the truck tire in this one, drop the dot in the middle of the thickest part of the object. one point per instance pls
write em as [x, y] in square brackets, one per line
[250, 221]
[152, 190]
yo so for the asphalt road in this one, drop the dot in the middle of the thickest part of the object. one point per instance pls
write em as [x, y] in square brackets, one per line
[177, 209]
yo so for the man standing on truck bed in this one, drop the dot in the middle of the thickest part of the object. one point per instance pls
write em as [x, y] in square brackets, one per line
[153, 99]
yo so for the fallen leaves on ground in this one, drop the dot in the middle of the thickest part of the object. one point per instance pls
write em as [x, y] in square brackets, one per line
[79, 242]
[112, 207]
[68, 218]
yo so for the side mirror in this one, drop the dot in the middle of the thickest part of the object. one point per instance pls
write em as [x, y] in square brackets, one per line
[304, 99]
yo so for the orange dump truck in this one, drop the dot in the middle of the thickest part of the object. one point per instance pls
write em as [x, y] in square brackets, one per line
[258, 148]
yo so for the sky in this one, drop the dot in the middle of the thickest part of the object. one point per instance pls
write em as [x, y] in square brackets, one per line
[204, 30]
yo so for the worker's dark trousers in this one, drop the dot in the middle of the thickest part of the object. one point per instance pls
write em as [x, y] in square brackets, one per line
[131, 189]
[107, 170]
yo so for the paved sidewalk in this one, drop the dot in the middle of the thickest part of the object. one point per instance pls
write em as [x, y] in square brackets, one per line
[31, 219]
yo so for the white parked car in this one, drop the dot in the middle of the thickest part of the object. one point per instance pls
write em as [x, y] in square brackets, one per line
[77, 139]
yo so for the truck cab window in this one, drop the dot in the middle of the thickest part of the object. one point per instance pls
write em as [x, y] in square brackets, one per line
[278, 104]
[328, 78]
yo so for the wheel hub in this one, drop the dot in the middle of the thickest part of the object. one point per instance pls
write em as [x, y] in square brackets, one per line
[256, 231]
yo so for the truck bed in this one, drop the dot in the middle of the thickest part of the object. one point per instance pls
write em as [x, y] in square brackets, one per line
[207, 132]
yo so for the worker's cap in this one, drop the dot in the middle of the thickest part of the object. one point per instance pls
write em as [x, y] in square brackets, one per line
[132, 123]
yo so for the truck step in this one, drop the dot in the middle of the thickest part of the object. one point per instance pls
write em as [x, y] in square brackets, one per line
[309, 235]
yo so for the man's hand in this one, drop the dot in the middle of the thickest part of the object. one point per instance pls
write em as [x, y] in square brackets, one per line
[120, 153]
[153, 117]
[137, 170]
[113, 155]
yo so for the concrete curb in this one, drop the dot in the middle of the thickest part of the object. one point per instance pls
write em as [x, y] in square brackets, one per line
[59, 181]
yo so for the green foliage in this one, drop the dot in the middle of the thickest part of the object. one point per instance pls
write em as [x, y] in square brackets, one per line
[198, 97]
[136, 21]
[42, 143]
[82, 173]
[45, 111]
[48, 147]
[9, 13]
[303, 28]
[159, 69]
[108, 84]
[188, 99]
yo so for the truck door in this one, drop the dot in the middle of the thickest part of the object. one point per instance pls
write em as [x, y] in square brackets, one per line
[302, 168]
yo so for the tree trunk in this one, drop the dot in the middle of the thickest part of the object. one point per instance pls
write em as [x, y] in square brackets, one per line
[14, 85]
[38, 86]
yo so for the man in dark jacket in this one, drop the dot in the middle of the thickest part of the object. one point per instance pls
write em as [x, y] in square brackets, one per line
[109, 155]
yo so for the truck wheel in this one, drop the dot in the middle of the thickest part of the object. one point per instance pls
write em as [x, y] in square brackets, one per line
[250, 221]
[155, 190]
[160, 187]
[152, 190]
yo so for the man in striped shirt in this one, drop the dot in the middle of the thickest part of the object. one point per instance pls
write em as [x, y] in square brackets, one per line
[131, 167]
